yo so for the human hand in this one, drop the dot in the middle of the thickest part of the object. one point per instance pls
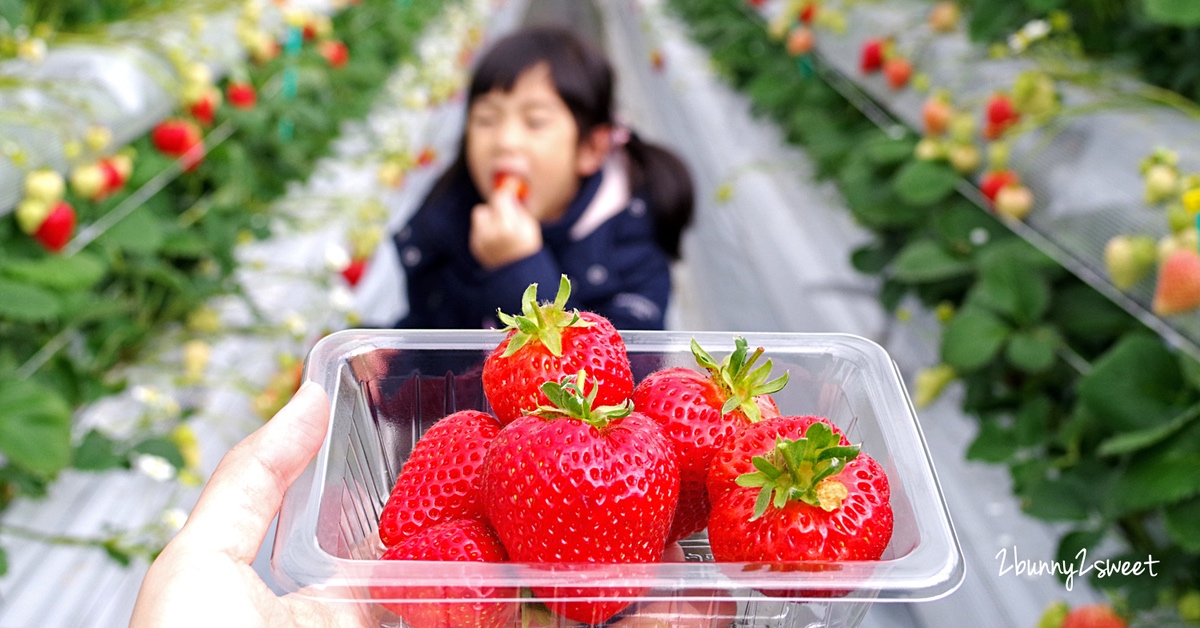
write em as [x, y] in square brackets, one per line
[204, 576]
[503, 231]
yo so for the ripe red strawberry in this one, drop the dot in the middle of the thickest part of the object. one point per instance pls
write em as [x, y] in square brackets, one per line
[1094, 616]
[354, 271]
[547, 343]
[335, 52]
[58, 227]
[808, 13]
[176, 136]
[792, 489]
[1178, 286]
[436, 606]
[204, 108]
[241, 95]
[800, 41]
[427, 156]
[581, 484]
[897, 70]
[442, 478]
[520, 186]
[700, 412]
[872, 56]
[1001, 114]
[994, 181]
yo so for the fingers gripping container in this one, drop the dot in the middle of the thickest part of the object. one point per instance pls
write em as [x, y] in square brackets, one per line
[387, 387]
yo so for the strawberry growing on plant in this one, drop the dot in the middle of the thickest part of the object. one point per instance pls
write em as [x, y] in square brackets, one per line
[203, 105]
[793, 489]
[426, 157]
[700, 412]
[354, 271]
[1000, 115]
[241, 95]
[580, 482]
[1014, 201]
[808, 13]
[1129, 259]
[449, 606]
[996, 180]
[44, 185]
[56, 230]
[897, 70]
[1093, 616]
[800, 41]
[336, 54]
[871, 59]
[1178, 286]
[943, 18]
[546, 342]
[936, 113]
[90, 181]
[442, 478]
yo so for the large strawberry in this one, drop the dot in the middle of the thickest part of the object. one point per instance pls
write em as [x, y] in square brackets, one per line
[791, 489]
[582, 484]
[442, 478]
[1094, 616]
[546, 343]
[699, 412]
[449, 606]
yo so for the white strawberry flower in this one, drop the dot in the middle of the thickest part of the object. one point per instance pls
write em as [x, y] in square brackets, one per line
[174, 518]
[1036, 29]
[337, 258]
[154, 467]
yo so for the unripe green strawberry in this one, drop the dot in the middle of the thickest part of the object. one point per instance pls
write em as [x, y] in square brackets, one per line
[1162, 183]
[1189, 606]
[98, 138]
[1129, 259]
[44, 185]
[931, 382]
[930, 149]
[1054, 615]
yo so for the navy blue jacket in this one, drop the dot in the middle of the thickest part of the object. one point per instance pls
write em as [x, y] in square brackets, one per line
[617, 270]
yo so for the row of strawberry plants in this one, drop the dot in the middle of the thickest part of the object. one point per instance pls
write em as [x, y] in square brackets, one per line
[1093, 415]
[69, 317]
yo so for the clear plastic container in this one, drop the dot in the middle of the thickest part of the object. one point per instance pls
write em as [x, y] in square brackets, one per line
[387, 387]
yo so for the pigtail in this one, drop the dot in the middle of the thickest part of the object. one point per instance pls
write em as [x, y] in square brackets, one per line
[661, 176]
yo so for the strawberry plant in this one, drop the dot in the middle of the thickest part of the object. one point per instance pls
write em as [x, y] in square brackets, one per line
[68, 319]
[1094, 416]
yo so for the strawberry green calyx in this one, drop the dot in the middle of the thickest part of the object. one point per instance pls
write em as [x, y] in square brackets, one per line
[567, 399]
[801, 469]
[544, 323]
[738, 378]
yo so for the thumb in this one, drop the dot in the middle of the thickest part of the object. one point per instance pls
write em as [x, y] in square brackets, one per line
[245, 492]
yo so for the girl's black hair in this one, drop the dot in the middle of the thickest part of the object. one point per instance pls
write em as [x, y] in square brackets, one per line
[584, 80]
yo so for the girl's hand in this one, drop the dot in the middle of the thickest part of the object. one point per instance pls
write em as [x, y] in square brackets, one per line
[503, 231]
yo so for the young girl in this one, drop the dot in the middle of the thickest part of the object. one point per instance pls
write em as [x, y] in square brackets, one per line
[546, 183]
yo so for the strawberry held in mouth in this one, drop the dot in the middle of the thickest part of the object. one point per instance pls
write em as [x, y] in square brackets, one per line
[519, 185]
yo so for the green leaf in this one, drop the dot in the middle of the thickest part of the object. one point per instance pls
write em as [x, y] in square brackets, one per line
[972, 339]
[184, 244]
[1130, 442]
[1183, 524]
[885, 151]
[1173, 12]
[1073, 542]
[923, 183]
[925, 261]
[993, 443]
[1012, 288]
[162, 448]
[97, 452]
[1154, 481]
[3, 561]
[1033, 351]
[27, 303]
[140, 232]
[872, 259]
[1031, 421]
[35, 427]
[1135, 386]
[77, 272]
[1043, 6]
[1061, 499]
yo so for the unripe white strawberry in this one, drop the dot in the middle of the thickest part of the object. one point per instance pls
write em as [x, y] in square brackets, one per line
[391, 173]
[44, 185]
[1014, 201]
[198, 74]
[98, 138]
[930, 149]
[123, 162]
[965, 158]
[89, 181]
[31, 213]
